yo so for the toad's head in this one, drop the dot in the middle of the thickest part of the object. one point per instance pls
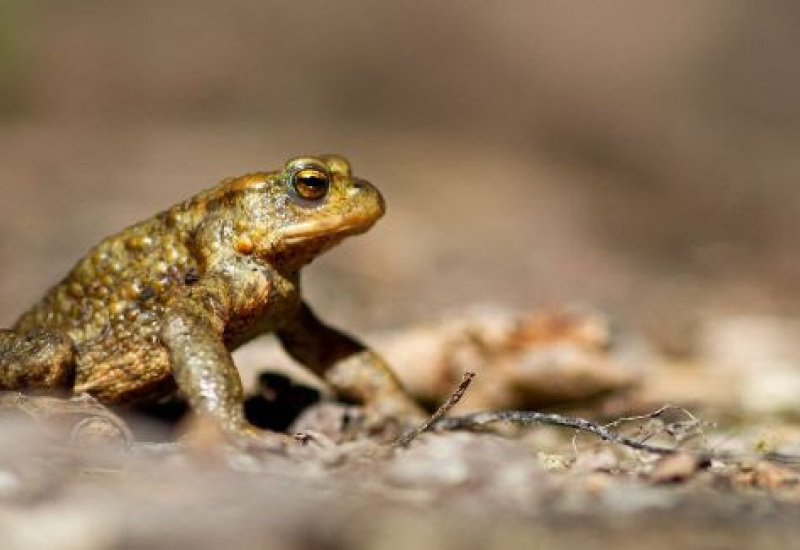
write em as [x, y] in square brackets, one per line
[288, 217]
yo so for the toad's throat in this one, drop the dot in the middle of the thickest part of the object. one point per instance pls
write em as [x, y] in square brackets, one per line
[313, 229]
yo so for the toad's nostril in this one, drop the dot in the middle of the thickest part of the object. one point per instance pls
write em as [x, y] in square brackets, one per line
[357, 187]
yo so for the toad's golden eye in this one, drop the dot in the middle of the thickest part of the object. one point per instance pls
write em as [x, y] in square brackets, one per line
[311, 184]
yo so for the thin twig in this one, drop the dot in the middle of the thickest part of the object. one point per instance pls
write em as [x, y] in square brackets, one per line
[527, 418]
[438, 416]
[649, 416]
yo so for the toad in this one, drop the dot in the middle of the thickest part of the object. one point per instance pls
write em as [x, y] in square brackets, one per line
[159, 307]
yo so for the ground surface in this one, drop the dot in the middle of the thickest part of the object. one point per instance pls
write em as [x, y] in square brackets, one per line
[70, 471]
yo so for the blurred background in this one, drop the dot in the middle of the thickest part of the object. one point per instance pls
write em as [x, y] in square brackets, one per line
[637, 157]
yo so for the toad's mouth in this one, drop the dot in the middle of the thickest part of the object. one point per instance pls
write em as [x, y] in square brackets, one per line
[314, 229]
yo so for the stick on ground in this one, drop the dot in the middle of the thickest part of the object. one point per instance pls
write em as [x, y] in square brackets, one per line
[528, 418]
[439, 421]
[438, 416]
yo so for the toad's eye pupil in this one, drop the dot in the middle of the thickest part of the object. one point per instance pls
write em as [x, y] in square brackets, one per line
[311, 184]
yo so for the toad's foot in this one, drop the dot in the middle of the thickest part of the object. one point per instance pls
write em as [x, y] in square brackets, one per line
[250, 438]
[365, 377]
[205, 434]
[391, 416]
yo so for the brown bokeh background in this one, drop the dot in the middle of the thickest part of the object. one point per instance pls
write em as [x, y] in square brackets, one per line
[639, 157]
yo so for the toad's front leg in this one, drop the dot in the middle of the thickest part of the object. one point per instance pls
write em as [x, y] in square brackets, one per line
[353, 370]
[203, 367]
